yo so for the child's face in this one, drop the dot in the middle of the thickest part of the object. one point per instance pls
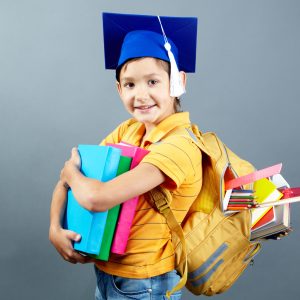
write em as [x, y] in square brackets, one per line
[144, 89]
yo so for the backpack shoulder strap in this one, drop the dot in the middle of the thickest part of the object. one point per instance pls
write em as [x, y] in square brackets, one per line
[161, 198]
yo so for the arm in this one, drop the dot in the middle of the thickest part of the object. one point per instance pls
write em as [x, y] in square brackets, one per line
[99, 196]
[58, 205]
[59, 237]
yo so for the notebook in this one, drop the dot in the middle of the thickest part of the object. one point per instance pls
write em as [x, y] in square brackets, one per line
[98, 162]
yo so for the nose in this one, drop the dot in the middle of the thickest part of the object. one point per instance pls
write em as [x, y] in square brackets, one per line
[141, 93]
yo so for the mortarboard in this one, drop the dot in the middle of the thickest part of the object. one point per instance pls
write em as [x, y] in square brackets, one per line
[129, 36]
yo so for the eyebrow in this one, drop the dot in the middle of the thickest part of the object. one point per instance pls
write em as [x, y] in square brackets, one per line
[126, 79]
[146, 76]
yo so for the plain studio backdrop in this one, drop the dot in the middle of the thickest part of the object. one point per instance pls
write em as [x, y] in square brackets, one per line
[56, 94]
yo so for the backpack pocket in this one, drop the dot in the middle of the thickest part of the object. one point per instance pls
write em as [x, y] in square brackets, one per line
[216, 261]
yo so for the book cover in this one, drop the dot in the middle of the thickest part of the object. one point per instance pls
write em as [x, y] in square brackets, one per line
[281, 222]
[265, 220]
[265, 191]
[112, 216]
[98, 162]
[128, 207]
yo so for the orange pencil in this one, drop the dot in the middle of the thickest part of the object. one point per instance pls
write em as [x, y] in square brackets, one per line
[238, 208]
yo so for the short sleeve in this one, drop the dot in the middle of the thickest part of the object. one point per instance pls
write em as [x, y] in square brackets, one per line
[178, 158]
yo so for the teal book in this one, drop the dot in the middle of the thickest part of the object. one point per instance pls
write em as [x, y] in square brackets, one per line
[98, 162]
[112, 217]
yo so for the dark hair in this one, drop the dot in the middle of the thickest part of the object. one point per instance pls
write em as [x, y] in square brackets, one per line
[165, 65]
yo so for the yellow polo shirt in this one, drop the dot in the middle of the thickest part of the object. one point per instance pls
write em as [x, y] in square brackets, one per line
[149, 250]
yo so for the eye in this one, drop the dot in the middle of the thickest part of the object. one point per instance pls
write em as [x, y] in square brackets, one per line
[128, 85]
[152, 82]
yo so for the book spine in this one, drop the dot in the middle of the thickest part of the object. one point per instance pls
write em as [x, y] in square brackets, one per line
[127, 212]
[99, 218]
[124, 225]
[93, 160]
[77, 219]
[95, 235]
[112, 216]
[138, 156]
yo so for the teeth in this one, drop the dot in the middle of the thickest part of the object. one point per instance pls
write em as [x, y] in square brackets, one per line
[145, 107]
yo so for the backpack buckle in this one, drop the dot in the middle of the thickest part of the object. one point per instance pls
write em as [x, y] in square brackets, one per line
[159, 200]
[163, 207]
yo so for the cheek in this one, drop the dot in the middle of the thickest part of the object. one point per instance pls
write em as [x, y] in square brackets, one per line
[126, 101]
[124, 97]
[171, 105]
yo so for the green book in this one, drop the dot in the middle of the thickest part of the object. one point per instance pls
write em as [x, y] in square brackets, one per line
[112, 217]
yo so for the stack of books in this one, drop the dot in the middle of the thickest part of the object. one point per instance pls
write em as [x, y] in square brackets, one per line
[269, 201]
[277, 219]
[100, 230]
[128, 207]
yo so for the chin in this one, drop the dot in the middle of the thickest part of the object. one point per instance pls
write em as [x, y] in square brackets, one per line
[145, 118]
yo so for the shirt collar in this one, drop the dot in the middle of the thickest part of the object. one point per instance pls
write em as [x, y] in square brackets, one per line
[167, 125]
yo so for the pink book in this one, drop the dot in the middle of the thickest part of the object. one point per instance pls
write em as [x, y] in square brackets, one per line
[128, 207]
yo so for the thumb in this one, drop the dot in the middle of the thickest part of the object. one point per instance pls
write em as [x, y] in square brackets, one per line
[73, 236]
[74, 151]
[76, 157]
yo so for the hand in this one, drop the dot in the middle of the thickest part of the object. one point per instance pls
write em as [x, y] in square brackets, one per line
[62, 241]
[71, 165]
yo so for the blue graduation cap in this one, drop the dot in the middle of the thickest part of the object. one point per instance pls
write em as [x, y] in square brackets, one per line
[172, 39]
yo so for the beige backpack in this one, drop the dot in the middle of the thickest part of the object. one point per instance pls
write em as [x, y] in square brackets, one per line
[212, 249]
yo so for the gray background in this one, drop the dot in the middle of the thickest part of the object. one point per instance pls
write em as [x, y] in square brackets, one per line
[55, 93]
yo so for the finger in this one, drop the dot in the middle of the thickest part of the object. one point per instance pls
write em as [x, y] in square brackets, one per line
[74, 152]
[75, 157]
[89, 259]
[74, 257]
[72, 261]
[73, 236]
[93, 260]
[80, 258]
[67, 255]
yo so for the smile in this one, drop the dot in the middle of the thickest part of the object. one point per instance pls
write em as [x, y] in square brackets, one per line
[144, 107]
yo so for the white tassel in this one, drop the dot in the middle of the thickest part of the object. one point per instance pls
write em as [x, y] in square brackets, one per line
[176, 86]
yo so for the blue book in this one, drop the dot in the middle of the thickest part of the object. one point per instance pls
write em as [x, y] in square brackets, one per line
[98, 162]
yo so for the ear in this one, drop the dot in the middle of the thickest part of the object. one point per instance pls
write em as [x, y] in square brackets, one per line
[183, 78]
[118, 86]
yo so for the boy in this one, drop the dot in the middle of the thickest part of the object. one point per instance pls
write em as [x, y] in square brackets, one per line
[149, 84]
